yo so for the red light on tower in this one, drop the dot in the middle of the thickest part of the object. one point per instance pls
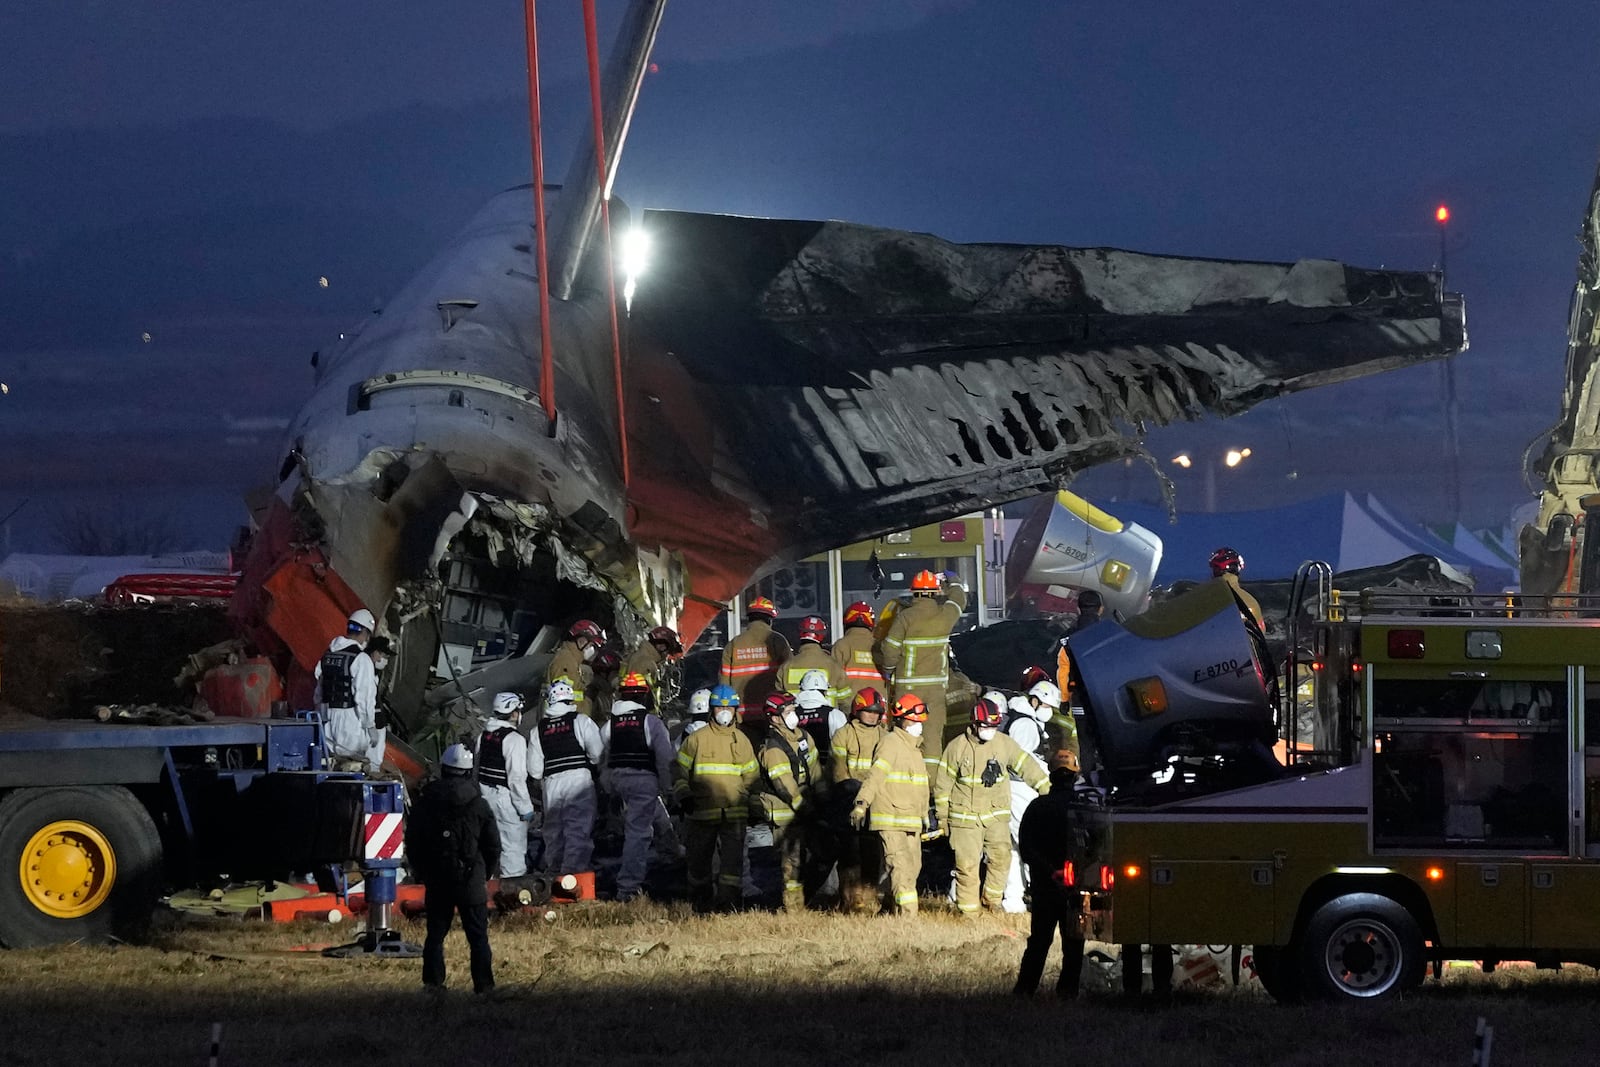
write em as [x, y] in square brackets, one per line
[1442, 213]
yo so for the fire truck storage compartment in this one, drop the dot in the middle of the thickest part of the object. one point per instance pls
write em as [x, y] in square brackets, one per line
[1470, 762]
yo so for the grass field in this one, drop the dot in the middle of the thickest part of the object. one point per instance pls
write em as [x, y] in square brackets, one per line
[644, 984]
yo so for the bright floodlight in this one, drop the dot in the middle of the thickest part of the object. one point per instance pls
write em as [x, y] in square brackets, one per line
[1182, 459]
[1442, 213]
[635, 258]
[1236, 456]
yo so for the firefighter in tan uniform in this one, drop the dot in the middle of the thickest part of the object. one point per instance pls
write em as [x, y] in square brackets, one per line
[712, 780]
[791, 770]
[659, 648]
[915, 653]
[972, 798]
[855, 651]
[855, 750]
[811, 657]
[893, 801]
[751, 661]
[1226, 566]
[572, 661]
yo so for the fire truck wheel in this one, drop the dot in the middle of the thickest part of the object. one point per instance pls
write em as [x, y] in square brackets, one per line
[77, 863]
[1361, 946]
[1275, 967]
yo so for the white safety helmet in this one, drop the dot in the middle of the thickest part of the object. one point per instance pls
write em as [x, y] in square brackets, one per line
[506, 704]
[456, 758]
[560, 699]
[813, 692]
[1048, 694]
[700, 704]
[814, 679]
[363, 618]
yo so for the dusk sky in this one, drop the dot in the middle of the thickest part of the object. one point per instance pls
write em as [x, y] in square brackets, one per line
[189, 170]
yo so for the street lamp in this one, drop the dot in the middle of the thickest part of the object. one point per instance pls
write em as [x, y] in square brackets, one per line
[1208, 465]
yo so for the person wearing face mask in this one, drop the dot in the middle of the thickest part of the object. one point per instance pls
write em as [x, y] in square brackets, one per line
[893, 801]
[503, 779]
[699, 713]
[378, 650]
[855, 749]
[972, 797]
[573, 660]
[712, 778]
[791, 774]
[1026, 718]
[347, 686]
[562, 754]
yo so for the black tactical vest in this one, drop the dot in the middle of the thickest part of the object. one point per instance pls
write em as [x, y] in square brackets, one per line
[492, 757]
[338, 681]
[558, 740]
[630, 744]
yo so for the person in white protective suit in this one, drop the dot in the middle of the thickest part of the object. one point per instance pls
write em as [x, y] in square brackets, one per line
[347, 692]
[819, 716]
[699, 712]
[503, 780]
[1025, 722]
[638, 769]
[564, 751]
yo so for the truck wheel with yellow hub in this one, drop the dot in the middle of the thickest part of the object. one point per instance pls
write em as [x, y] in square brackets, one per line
[77, 863]
[1361, 946]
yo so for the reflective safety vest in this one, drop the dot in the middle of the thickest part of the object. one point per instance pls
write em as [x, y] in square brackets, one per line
[855, 746]
[754, 656]
[916, 650]
[558, 740]
[854, 654]
[810, 657]
[630, 746]
[492, 757]
[568, 663]
[962, 796]
[338, 680]
[896, 789]
[792, 770]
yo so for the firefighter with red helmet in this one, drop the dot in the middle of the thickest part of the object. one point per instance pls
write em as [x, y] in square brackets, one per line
[812, 656]
[893, 801]
[915, 652]
[1226, 566]
[854, 652]
[751, 661]
[855, 750]
[972, 798]
[638, 769]
[792, 784]
[659, 648]
[573, 660]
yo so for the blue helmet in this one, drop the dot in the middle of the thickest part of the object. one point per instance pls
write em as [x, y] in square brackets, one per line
[724, 696]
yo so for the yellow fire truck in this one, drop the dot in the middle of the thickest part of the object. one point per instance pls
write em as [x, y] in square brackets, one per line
[1444, 807]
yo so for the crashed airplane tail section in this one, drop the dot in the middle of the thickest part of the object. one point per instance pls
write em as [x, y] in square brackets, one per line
[801, 385]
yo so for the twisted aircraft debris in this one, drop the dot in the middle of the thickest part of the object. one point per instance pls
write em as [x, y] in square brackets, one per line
[788, 386]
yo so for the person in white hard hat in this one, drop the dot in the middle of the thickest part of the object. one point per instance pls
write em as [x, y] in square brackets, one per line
[699, 716]
[452, 846]
[563, 753]
[1026, 717]
[503, 778]
[347, 692]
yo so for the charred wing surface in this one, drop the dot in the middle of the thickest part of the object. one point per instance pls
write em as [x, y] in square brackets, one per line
[858, 368]
[1568, 465]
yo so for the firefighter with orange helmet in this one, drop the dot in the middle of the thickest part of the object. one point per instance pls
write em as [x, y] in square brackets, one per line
[751, 662]
[855, 750]
[1226, 566]
[915, 652]
[893, 801]
[638, 769]
[972, 797]
[854, 651]
[573, 660]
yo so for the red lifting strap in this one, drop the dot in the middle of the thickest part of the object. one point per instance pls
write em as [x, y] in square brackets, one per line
[547, 375]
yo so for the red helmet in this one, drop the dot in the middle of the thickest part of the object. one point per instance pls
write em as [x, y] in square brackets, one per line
[666, 635]
[925, 582]
[762, 606]
[1226, 560]
[1033, 676]
[588, 629]
[910, 708]
[868, 700]
[606, 661]
[778, 702]
[633, 684]
[813, 628]
[859, 614]
[987, 713]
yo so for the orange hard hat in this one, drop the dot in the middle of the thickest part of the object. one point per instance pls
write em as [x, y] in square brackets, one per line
[911, 708]
[632, 683]
[762, 606]
[925, 582]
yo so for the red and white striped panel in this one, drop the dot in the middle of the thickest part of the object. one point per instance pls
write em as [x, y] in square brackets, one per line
[386, 836]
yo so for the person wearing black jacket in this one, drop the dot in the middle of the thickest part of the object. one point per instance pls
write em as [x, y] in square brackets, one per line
[1048, 842]
[453, 844]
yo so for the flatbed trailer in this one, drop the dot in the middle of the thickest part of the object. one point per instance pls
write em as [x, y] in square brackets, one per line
[1444, 805]
[98, 821]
